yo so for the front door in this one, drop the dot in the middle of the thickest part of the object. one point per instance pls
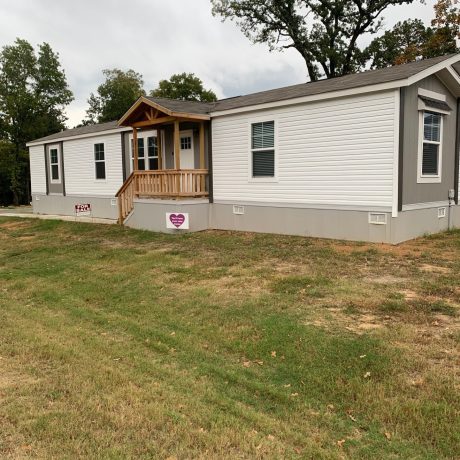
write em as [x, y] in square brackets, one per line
[187, 154]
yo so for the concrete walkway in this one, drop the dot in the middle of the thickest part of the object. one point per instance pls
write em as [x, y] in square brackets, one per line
[26, 211]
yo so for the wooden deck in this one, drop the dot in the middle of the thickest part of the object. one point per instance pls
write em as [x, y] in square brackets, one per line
[166, 183]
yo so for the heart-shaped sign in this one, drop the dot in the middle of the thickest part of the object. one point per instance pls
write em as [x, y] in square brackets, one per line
[177, 219]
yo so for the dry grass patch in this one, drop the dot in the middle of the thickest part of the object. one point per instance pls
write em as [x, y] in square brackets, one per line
[128, 344]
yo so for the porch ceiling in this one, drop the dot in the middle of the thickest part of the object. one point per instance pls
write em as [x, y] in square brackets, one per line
[150, 112]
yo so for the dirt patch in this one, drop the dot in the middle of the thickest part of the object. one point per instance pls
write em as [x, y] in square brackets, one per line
[386, 279]
[15, 224]
[409, 295]
[11, 379]
[434, 268]
[358, 324]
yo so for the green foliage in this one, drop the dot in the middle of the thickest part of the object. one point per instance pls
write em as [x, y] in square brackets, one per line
[184, 86]
[325, 33]
[33, 95]
[115, 96]
[410, 39]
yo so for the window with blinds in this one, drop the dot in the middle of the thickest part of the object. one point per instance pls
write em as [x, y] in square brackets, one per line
[263, 149]
[54, 165]
[432, 125]
[99, 160]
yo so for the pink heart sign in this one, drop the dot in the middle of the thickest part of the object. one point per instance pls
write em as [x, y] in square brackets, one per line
[177, 219]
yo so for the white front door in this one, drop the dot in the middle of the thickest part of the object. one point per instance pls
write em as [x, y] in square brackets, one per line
[187, 154]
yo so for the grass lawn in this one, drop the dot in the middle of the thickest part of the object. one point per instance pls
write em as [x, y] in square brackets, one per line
[117, 343]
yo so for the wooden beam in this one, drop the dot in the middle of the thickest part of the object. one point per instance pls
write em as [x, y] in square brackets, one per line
[153, 122]
[135, 150]
[176, 145]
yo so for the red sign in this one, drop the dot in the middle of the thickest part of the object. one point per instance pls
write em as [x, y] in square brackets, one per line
[83, 209]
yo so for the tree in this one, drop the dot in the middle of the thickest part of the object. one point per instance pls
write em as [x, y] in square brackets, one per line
[410, 39]
[324, 32]
[115, 96]
[33, 96]
[184, 86]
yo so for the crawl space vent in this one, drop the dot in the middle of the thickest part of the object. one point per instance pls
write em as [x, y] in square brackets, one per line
[239, 210]
[377, 218]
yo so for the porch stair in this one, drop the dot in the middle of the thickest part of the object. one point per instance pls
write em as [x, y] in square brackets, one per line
[176, 184]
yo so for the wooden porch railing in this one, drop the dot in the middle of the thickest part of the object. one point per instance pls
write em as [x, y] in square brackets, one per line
[167, 183]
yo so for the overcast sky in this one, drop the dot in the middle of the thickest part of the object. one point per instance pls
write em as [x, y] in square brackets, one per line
[156, 38]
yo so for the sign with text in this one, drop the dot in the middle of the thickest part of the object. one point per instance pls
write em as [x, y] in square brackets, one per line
[83, 209]
[179, 220]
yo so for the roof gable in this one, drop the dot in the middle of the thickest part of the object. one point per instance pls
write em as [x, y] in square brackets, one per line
[149, 109]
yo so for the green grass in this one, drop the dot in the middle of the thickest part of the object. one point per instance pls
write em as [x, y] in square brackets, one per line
[117, 343]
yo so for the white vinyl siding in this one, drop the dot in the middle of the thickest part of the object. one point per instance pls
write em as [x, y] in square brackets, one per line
[335, 153]
[80, 170]
[37, 169]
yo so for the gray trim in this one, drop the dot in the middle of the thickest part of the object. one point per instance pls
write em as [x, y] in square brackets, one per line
[61, 148]
[414, 189]
[46, 169]
[457, 153]
[402, 94]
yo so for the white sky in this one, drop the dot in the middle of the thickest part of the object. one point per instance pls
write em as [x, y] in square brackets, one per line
[157, 38]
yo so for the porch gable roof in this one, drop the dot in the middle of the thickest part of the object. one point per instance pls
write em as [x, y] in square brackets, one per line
[154, 110]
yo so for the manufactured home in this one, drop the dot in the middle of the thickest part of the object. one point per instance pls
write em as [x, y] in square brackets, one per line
[372, 156]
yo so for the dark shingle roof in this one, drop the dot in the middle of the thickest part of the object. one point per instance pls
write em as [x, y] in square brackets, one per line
[435, 103]
[371, 77]
[198, 108]
[90, 129]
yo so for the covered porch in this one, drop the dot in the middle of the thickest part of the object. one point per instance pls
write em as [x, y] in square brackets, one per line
[168, 152]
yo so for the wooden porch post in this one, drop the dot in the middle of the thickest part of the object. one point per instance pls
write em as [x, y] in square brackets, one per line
[202, 160]
[135, 150]
[177, 155]
[176, 145]
[159, 149]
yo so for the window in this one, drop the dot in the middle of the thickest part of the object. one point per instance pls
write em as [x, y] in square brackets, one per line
[186, 143]
[54, 165]
[141, 154]
[431, 145]
[99, 159]
[152, 153]
[263, 149]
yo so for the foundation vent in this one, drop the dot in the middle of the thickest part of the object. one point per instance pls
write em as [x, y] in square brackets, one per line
[237, 209]
[113, 202]
[442, 212]
[377, 218]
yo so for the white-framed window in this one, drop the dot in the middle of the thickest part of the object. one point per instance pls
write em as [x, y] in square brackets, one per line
[99, 160]
[55, 165]
[263, 149]
[147, 153]
[430, 147]
[152, 153]
[186, 142]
